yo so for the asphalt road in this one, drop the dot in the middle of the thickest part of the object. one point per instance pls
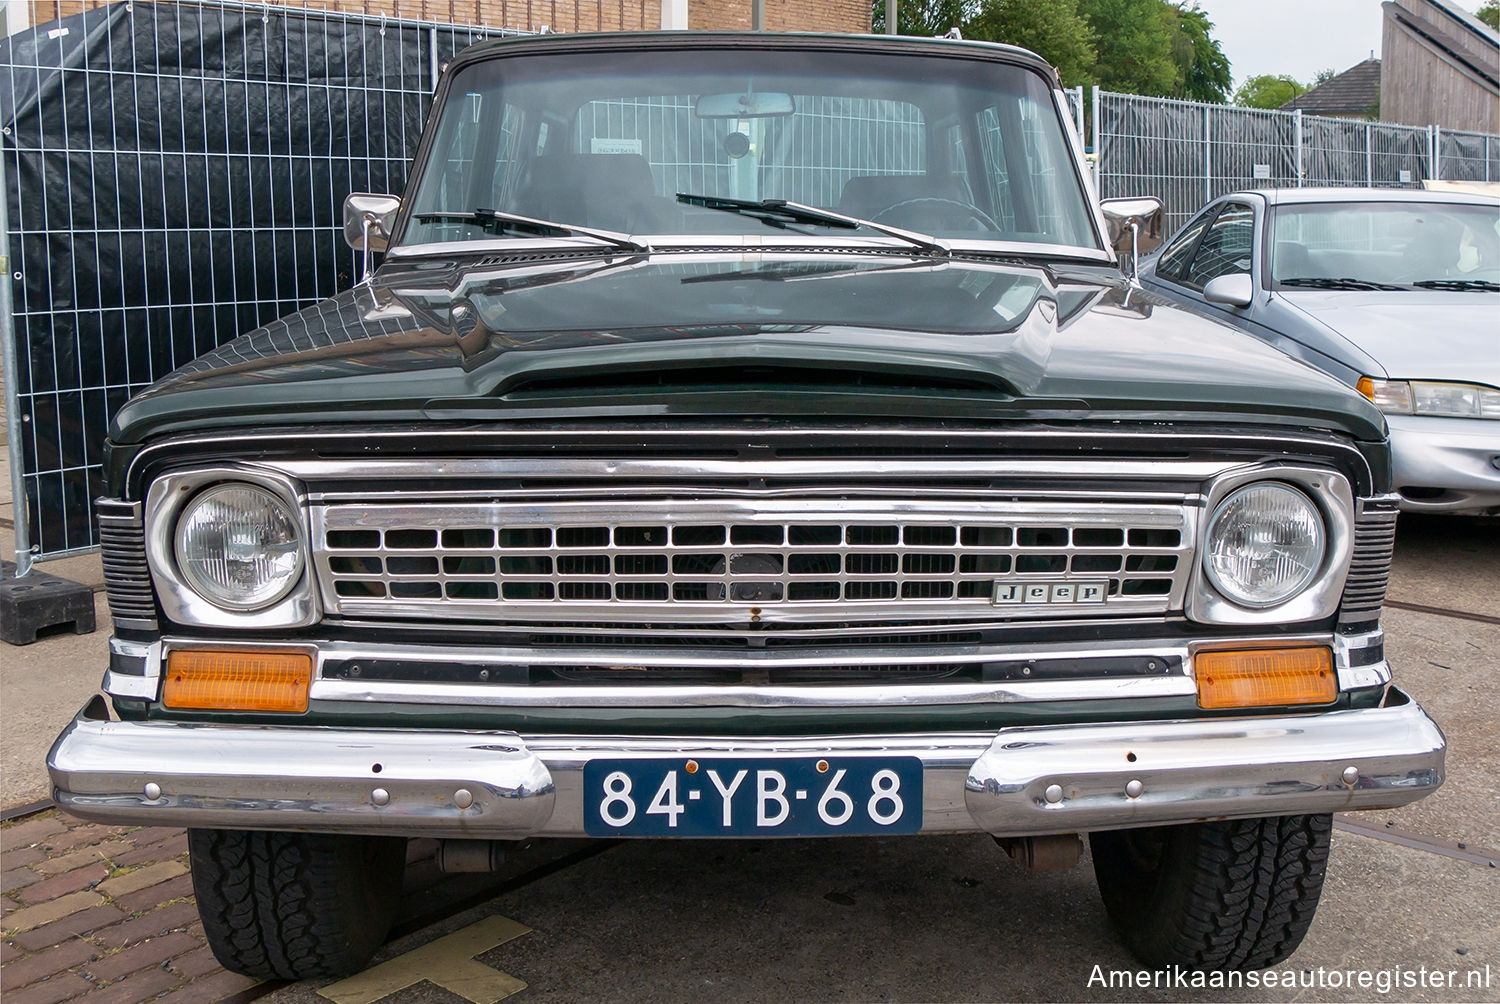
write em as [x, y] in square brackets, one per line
[951, 918]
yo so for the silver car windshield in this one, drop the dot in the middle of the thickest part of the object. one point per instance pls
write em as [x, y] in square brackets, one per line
[1386, 245]
[965, 150]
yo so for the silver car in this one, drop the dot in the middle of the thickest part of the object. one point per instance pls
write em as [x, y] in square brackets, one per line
[1395, 292]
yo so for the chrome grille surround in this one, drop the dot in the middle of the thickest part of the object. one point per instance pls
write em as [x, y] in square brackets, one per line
[1370, 567]
[122, 549]
[757, 560]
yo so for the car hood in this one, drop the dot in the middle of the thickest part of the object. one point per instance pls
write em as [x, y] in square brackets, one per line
[742, 334]
[1415, 335]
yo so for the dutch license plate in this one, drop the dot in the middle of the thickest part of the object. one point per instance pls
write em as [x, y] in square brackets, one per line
[752, 797]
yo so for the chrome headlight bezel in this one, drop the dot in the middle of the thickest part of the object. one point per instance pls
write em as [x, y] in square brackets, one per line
[1217, 578]
[1332, 498]
[167, 501]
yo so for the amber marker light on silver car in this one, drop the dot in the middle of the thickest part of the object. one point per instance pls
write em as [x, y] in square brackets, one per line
[1265, 544]
[1428, 397]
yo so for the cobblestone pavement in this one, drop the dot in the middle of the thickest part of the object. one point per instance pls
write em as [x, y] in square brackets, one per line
[106, 913]
[101, 914]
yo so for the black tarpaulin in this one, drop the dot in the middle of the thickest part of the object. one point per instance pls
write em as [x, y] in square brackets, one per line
[175, 177]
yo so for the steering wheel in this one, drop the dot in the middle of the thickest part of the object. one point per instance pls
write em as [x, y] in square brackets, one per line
[967, 217]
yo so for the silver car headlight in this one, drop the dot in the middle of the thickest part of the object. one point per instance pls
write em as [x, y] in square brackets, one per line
[239, 546]
[1265, 544]
[1432, 397]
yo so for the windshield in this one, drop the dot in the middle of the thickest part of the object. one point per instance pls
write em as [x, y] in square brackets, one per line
[1400, 245]
[960, 149]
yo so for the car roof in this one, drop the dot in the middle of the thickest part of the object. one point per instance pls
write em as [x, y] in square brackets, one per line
[1292, 196]
[584, 42]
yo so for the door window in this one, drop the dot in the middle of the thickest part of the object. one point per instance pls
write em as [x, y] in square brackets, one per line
[1226, 248]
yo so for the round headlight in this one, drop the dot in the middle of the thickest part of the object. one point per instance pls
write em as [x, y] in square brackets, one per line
[239, 546]
[1265, 543]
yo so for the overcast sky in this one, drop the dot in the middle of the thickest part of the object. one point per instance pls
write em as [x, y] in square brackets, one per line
[1297, 37]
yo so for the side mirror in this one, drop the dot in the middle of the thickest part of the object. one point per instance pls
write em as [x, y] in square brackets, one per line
[368, 220]
[1232, 290]
[1135, 227]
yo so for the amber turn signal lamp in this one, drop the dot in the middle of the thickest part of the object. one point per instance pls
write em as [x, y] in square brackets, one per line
[1265, 677]
[237, 680]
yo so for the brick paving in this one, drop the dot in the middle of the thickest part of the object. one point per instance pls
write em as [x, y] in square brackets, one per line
[101, 914]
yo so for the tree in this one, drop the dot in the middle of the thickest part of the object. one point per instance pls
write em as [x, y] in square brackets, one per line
[1203, 65]
[1490, 14]
[1324, 76]
[1053, 29]
[923, 17]
[1134, 45]
[1267, 91]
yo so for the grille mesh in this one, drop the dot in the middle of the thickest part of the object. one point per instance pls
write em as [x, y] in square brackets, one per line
[127, 581]
[461, 561]
[1370, 567]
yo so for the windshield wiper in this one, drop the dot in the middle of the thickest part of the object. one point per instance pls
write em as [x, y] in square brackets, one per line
[1462, 285]
[1321, 283]
[780, 213]
[493, 221]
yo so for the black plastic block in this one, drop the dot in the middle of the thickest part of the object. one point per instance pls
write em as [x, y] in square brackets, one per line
[39, 601]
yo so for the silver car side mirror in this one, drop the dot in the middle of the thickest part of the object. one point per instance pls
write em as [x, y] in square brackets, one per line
[368, 220]
[1135, 228]
[1232, 290]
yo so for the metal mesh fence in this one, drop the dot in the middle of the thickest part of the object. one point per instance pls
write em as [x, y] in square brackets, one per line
[1187, 153]
[175, 176]
[1468, 156]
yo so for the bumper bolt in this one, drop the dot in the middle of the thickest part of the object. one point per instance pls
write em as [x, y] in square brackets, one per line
[1351, 774]
[1134, 789]
[1053, 793]
[380, 796]
[153, 791]
[463, 798]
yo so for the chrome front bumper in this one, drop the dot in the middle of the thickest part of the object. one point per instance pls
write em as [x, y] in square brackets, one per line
[1461, 456]
[499, 785]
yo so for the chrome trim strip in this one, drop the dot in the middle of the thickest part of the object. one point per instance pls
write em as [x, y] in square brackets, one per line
[863, 470]
[361, 436]
[341, 651]
[326, 779]
[147, 654]
[1375, 674]
[124, 685]
[1193, 770]
[737, 696]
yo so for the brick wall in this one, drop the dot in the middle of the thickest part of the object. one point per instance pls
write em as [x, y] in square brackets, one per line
[571, 15]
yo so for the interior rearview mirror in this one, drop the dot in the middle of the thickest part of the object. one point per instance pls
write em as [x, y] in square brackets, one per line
[754, 105]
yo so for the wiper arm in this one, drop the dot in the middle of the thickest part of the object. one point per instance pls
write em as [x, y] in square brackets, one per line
[1344, 283]
[780, 213]
[1462, 285]
[494, 221]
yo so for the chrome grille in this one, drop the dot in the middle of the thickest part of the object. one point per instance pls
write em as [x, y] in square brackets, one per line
[1370, 566]
[127, 581]
[764, 560]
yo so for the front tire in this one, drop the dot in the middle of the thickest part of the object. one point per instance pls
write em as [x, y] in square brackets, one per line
[1228, 895]
[293, 906]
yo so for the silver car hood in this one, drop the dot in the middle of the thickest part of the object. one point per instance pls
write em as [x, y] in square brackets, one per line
[1430, 335]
